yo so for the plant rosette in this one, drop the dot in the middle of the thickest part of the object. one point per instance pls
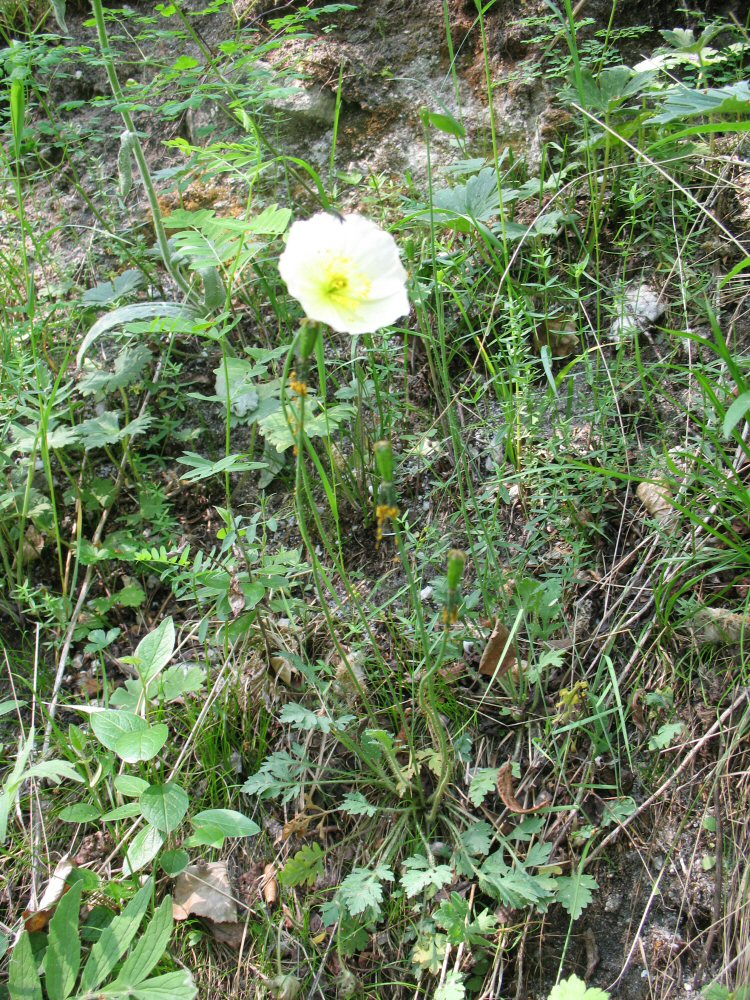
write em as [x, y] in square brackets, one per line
[345, 272]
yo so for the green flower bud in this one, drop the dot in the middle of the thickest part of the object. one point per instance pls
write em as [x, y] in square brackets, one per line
[309, 332]
[384, 460]
[456, 563]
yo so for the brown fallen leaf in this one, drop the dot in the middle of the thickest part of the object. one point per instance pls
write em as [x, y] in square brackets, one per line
[39, 914]
[657, 500]
[499, 647]
[270, 885]
[204, 891]
[284, 670]
[507, 794]
[231, 934]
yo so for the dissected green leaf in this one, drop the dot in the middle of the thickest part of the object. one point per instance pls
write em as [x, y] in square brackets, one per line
[452, 987]
[665, 736]
[574, 892]
[420, 874]
[126, 315]
[128, 365]
[355, 804]
[483, 784]
[362, 890]
[575, 989]
[304, 867]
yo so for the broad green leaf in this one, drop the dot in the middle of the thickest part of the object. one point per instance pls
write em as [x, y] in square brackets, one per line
[115, 940]
[143, 849]
[10, 706]
[231, 823]
[81, 812]
[174, 862]
[685, 103]
[207, 835]
[446, 123]
[127, 314]
[127, 811]
[130, 786]
[736, 412]
[24, 979]
[155, 650]
[164, 806]
[58, 9]
[63, 957]
[170, 986]
[128, 734]
[149, 949]
[144, 745]
[54, 770]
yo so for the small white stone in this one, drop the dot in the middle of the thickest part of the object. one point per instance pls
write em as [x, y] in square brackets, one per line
[426, 594]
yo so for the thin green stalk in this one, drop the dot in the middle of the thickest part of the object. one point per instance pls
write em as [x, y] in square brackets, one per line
[140, 158]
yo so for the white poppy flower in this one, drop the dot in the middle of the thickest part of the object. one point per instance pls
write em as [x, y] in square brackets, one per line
[345, 272]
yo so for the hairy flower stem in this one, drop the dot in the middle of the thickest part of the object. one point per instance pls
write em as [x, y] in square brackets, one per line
[428, 704]
[296, 423]
[137, 148]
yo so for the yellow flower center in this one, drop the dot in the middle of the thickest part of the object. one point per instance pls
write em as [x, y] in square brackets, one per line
[345, 285]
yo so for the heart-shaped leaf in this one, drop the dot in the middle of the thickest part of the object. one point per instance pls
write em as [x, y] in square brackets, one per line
[164, 806]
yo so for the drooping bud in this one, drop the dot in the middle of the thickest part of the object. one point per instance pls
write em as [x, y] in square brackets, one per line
[456, 564]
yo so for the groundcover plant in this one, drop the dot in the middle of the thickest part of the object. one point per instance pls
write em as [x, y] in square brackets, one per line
[374, 501]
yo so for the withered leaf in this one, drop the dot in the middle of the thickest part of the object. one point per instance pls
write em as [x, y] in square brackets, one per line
[657, 500]
[37, 917]
[270, 885]
[204, 890]
[498, 645]
[284, 670]
[228, 933]
[508, 795]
